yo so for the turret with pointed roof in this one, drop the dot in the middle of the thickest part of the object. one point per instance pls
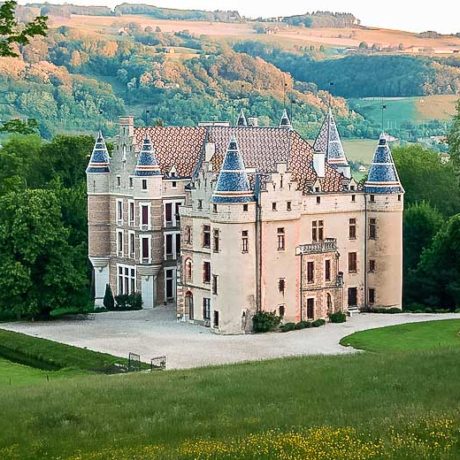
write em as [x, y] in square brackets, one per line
[285, 122]
[233, 184]
[147, 164]
[241, 119]
[383, 176]
[329, 143]
[100, 160]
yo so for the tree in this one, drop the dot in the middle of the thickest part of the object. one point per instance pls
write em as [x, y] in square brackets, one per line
[109, 301]
[426, 178]
[18, 126]
[454, 141]
[39, 271]
[437, 277]
[11, 34]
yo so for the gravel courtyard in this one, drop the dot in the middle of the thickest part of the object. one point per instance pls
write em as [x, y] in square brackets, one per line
[155, 332]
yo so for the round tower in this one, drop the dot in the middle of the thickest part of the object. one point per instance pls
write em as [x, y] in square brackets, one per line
[148, 191]
[384, 231]
[233, 218]
[98, 193]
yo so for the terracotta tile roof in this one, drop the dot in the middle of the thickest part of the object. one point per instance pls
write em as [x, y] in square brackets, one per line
[178, 147]
[261, 148]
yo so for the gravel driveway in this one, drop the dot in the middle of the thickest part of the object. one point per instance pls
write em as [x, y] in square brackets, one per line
[155, 332]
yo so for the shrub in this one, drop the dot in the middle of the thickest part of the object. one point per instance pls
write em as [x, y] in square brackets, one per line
[457, 310]
[109, 301]
[128, 302]
[391, 311]
[59, 312]
[288, 327]
[99, 310]
[318, 323]
[428, 310]
[338, 317]
[302, 325]
[264, 321]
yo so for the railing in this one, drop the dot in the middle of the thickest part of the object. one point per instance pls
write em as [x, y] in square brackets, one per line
[328, 245]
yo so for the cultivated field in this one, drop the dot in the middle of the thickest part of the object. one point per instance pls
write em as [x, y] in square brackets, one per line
[285, 36]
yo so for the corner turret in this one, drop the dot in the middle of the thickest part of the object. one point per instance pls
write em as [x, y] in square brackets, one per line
[99, 162]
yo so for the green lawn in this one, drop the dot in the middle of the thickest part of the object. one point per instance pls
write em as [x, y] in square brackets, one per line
[405, 337]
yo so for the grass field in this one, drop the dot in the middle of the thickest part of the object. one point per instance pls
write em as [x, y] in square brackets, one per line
[405, 337]
[367, 406]
[399, 110]
[360, 150]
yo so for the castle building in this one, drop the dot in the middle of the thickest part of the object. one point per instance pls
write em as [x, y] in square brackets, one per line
[225, 221]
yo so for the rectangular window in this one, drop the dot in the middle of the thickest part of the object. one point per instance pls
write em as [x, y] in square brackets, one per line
[371, 265]
[145, 249]
[353, 198]
[216, 318]
[120, 243]
[244, 240]
[327, 270]
[352, 229]
[206, 236]
[318, 200]
[200, 204]
[131, 213]
[188, 234]
[214, 284]
[169, 245]
[310, 308]
[206, 272]
[118, 181]
[145, 216]
[281, 285]
[206, 309]
[177, 206]
[177, 251]
[144, 184]
[120, 212]
[317, 230]
[352, 297]
[372, 228]
[245, 208]
[126, 280]
[131, 245]
[214, 207]
[372, 198]
[352, 262]
[281, 239]
[168, 213]
[170, 284]
[310, 272]
[371, 296]
[288, 206]
[216, 242]
[130, 182]
[273, 206]
[173, 184]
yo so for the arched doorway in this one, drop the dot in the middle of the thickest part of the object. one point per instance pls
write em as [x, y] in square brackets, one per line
[189, 304]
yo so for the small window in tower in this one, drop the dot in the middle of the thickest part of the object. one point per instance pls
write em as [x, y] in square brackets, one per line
[216, 319]
[118, 181]
[289, 206]
[372, 198]
[244, 241]
[173, 184]
[200, 204]
[372, 228]
[281, 311]
[371, 265]
[353, 198]
[206, 272]
[214, 207]
[206, 236]
[216, 241]
[352, 229]
[144, 184]
[281, 285]
[327, 270]
[188, 234]
[371, 296]
[318, 200]
[130, 182]
[281, 239]
[352, 262]
[399, 197]
[245, 208]
[273, 206]
[215, 281]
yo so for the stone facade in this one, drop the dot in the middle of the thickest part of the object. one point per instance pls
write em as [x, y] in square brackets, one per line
[229, 221]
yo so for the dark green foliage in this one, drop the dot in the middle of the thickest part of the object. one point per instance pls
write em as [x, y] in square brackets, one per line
[303, 325]
[338, 317]
[264, 321]
[12, 33]
[454, 141]
[18, 126]
[109, 301]
[288, 327]
[318, 323]
[126, 302]
[64, 311]
[390, 311]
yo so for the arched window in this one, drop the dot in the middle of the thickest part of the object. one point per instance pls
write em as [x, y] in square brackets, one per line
[188, 270]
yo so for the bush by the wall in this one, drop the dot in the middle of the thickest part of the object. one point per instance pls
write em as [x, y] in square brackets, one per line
[391, 311]
[288, 327]
[338, 317]
[264, 321]
[318, 323]
[302, 325]
[109, 301]
[128, 302]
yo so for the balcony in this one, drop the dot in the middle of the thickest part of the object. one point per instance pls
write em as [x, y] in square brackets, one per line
[328, 245]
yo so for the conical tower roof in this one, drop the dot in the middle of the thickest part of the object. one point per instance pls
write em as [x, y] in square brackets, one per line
[329, 143]
[99, 161]
[285, 122]
[147, 164]
[242, 119]
[233, 184]
[383, 177]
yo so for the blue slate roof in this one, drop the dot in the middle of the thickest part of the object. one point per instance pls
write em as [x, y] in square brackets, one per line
[285, 122]
[233, 184]
[100, 160]
[147, 164]
[242, 119]
[383, 177]
[329, 142]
